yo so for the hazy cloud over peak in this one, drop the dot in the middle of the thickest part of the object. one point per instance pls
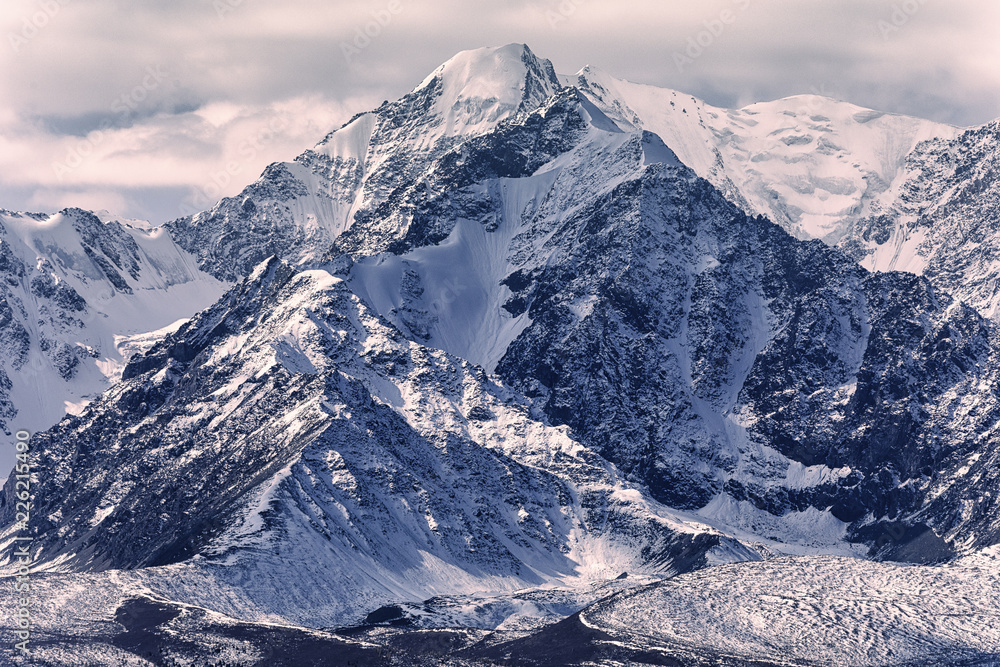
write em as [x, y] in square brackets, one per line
[161, 95]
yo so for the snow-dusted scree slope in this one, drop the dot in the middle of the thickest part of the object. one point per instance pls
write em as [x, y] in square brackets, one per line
[290, 434]
[521, 337]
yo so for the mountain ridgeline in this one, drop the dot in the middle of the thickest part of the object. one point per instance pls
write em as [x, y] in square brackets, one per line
[516, 330]
[688, 341]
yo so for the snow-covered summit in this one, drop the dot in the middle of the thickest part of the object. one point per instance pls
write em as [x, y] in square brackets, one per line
[809, 162]
[467, 95]
[482, 86]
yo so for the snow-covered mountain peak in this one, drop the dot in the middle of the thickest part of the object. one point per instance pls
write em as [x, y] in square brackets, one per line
[587, 74]
[465, 96]
[476, 89]
[508, 76]
[811, 163]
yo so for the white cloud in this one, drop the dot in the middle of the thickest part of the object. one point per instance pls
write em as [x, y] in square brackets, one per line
[93, 199]
[222, 77]
[214, 150]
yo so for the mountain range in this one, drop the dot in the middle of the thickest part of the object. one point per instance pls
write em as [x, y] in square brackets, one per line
[527, 368]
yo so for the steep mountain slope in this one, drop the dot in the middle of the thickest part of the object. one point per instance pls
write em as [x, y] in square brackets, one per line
[288, 432]
[812, 164]
[297, 209]
[943, 220]
[72, 289]
[772, 385]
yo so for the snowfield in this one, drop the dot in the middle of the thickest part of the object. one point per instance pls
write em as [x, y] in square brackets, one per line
[812, 611]
[819, 610]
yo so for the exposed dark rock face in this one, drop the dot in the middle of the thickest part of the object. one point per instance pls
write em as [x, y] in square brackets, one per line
[704, 352]
[943, 220]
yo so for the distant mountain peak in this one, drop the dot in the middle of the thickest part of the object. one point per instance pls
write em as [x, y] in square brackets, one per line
[482, 86]
[493, 71]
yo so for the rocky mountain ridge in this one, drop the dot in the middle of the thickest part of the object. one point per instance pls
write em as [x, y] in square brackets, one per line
[496, 350]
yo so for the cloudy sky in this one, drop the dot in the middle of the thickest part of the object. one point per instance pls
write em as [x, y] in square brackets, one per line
[147, 108]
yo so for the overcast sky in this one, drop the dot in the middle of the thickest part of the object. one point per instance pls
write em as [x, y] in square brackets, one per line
[139, 106]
